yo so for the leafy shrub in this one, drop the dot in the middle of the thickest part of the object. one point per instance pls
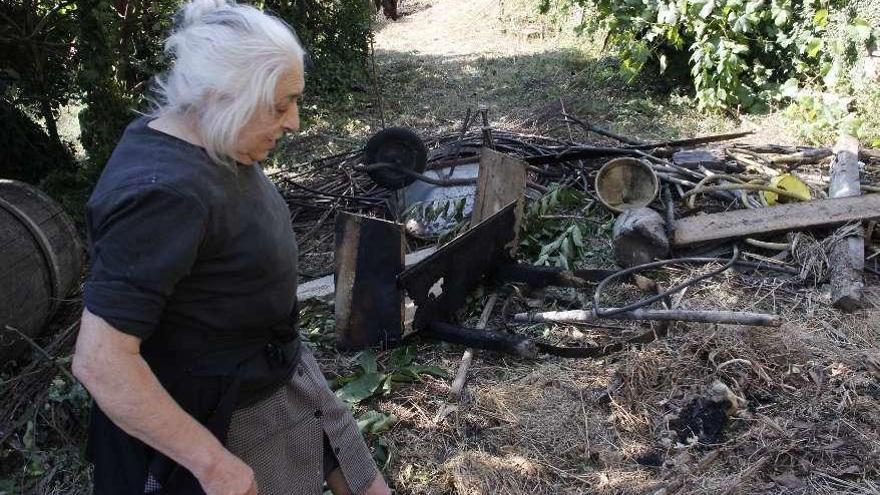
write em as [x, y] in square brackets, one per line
[737, 52]
[821, 116]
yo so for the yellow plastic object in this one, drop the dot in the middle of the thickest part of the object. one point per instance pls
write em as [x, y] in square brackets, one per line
[790, 183]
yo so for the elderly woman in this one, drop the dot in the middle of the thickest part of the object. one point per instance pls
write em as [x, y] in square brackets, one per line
[188, 342]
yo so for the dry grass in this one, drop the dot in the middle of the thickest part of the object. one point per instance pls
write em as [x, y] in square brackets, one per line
[808, 407]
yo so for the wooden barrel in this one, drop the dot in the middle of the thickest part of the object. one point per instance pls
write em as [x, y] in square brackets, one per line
[41, 259]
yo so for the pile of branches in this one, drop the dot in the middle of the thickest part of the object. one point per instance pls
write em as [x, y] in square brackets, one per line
[567, 152]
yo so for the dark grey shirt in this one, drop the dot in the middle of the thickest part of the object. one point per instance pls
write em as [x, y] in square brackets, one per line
[187, 252]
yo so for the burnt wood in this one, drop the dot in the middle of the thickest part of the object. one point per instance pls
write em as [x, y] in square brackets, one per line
[487, 340]
[440, 284]
[369, 306]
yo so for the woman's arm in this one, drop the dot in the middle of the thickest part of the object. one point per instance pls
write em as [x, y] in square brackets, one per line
[109, 364]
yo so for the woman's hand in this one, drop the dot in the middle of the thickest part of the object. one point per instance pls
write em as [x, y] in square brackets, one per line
[109, 365]
[228, 476]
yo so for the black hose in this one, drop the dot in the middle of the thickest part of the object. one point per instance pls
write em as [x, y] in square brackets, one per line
[672, 290]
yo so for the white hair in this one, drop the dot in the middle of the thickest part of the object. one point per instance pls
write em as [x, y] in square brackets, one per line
[227, 60]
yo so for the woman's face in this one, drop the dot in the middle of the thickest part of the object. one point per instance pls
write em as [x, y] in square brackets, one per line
[261, 134]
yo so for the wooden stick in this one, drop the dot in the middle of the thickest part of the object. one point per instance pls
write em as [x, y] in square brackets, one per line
[43, 352]
[726, 317]
[679, 143]
[468, 356]
[847, 256]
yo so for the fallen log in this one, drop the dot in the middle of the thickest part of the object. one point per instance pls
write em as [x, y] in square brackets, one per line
[724, 317]
[780, 218]
[846, 261]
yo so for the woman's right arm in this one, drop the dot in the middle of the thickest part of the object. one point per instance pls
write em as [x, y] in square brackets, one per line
[109, 364]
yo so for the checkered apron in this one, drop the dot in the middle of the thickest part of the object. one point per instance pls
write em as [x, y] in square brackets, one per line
[282, 437]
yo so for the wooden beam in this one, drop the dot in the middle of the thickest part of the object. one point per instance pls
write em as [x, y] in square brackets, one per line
[489, 340]
[846, 259]
[468, 356]
[368, 259]
[780, 218]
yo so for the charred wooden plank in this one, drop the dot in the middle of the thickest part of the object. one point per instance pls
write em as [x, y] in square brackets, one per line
[440, 284]
[369, 306]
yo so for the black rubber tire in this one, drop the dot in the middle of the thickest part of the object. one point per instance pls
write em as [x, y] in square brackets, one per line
[399, 146]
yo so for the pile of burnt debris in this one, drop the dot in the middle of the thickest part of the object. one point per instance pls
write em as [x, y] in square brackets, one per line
[798, 212]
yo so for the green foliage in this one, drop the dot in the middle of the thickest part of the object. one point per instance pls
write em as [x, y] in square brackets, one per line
[368, 381]
[821, 116]
[375, 422]
[556, 228]
[119, 50]
[44, 450]
[36, 67]
[316, 324]
[738, 52]
[446, 216]
[336, 34]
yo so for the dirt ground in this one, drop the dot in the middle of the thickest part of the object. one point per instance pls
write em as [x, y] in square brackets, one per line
[709, 408]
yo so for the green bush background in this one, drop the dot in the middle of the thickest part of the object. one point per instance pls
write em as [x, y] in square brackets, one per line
[101, 54]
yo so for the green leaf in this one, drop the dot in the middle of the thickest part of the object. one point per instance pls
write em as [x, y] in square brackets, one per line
[862, 28]
[790, 88]
[386, 385]
[565, 248]
[375, 422]
[814, 46]
[367, 362]
[421, 369]
[361, 388]
[577, 237]
[29, 438]
[401, 358]
[707, 9]
[820, 18]
[404, 376]
[782, 17]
